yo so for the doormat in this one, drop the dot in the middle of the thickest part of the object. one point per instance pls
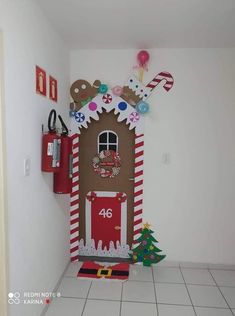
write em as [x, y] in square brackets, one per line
[104, 271]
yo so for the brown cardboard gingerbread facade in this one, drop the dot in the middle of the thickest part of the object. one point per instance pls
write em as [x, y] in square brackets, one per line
[108, 151]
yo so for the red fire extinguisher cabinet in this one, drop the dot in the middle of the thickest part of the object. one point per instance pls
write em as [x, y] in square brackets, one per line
[63, 178]
[51, 146]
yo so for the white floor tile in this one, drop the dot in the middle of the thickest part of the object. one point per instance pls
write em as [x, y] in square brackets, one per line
[172, 294]
[73, 287]
[203, 311]
[73, 269]
[101, 308]
[138, 291]
[174, 310]
[167, 275]
[207, 296]
[224, 278]
[140, 273]
[138, 309]
[106, 290]
[66, 307]
[229, 294]
[198, 276]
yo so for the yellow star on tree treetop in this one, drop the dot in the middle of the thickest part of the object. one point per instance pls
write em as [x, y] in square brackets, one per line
[146, 225]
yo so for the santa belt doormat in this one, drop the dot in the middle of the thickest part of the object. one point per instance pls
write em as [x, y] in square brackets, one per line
[93, 270]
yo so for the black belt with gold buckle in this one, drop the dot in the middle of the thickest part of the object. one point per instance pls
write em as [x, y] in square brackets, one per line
[103, 272]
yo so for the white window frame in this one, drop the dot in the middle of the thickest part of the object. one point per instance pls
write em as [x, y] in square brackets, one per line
[107, 143]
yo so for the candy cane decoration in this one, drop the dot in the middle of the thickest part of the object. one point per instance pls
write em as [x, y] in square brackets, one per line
[138, 186]
[74, 202]
[159, 77]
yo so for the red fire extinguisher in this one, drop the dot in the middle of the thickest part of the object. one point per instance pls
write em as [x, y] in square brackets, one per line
[63, 178]
[51, 143]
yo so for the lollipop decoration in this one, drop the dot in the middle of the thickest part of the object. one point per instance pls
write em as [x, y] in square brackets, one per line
[143, 58]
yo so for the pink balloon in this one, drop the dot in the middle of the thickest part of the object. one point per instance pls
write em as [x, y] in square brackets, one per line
[143, 57]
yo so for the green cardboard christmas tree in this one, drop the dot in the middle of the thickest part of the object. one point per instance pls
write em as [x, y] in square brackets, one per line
[146, 251]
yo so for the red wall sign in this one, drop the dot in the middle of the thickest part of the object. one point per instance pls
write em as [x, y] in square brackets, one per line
[41, 81]
[53, 94]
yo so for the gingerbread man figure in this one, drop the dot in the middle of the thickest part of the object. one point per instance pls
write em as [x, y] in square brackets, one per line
[82, 92]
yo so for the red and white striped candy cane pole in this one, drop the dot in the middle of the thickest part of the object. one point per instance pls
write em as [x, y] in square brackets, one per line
[159, 77]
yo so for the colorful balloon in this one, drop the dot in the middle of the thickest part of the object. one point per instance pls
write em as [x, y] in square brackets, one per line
[143, 58]
[117, 90]
[142, 107]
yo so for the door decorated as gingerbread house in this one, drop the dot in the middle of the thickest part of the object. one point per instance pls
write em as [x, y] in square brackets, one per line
[108, 150]
[106, 184]
[106, 202]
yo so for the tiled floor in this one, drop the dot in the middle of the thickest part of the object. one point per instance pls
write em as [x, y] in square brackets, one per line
[164, 290]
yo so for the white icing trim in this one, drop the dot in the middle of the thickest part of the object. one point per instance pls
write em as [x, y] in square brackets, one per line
[101, 107]
[88, 249]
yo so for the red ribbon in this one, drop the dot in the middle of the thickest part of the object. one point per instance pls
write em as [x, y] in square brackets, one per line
[121, 197]
[91, 197]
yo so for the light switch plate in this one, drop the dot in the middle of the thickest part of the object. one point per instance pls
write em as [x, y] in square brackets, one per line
[166, 158]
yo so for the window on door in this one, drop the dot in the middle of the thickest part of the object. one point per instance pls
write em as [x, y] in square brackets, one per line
[107, 140]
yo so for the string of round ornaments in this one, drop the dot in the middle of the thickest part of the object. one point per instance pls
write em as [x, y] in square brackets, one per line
[100, 166]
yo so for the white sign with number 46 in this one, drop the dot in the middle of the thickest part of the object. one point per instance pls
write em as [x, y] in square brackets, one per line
[106, 213]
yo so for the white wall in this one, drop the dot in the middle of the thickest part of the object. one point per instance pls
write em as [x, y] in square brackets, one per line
[38, 219]
[191, 201]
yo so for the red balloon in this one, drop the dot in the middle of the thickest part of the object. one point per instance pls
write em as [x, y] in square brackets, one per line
[143, 57]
